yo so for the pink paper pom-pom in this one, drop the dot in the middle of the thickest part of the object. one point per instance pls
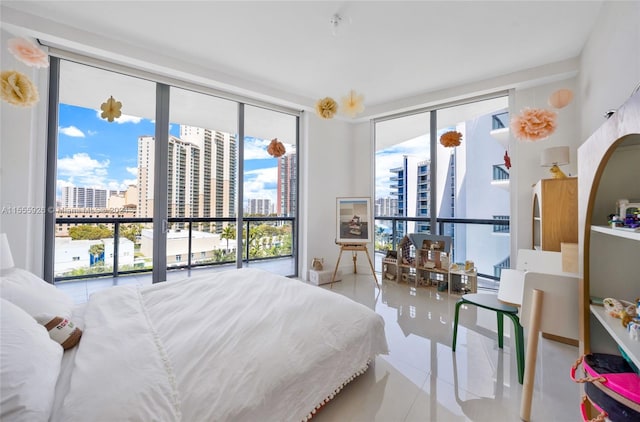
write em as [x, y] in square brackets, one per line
[27, 52]
[534, 124]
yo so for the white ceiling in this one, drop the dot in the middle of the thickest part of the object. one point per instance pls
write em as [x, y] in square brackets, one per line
[386, 50]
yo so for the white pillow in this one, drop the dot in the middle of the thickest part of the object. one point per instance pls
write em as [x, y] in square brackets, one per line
[29, 366]
[33, 294]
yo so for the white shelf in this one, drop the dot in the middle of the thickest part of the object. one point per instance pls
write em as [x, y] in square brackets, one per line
[619, 333]
[619, 232]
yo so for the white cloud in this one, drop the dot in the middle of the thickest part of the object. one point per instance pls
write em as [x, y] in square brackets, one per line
[256, 149]
[92, 132]
[133, 170]
[124, 118]
[62, 184]
[256, 181]
[82, 170]
[128, 182]
[71, 131]
[128, 119]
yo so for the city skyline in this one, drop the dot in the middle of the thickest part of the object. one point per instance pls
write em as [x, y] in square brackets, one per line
[97, 154]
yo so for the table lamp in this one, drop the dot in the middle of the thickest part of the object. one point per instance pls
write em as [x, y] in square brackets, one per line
[554, 157]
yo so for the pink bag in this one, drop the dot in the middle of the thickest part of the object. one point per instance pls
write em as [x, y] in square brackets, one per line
[602, 415]
[612, 384]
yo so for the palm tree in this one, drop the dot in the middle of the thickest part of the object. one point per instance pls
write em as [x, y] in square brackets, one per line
[228, 232]
[97, 252]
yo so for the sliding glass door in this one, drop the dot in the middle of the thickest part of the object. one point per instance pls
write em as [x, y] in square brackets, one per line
[426, 185]
[102, 176]
[270, 189]
[201, 179]
[145, 175]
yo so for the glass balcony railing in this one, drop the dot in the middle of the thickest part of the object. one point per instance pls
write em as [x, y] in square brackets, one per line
[500, 172]
[113, 246]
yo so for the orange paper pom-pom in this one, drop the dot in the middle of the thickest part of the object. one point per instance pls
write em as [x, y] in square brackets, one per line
[534, 124]
[451, 139]
[276, 148]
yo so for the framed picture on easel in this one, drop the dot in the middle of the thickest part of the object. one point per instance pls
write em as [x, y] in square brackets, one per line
[353, 220]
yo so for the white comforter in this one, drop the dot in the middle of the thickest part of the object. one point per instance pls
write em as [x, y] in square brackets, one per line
[240, 345]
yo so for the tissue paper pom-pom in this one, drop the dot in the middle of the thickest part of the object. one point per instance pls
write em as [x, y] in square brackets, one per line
[534, 124]
[17, 89]
[111, 109]
[27, 52]
[560, 98]
[326, 108]
[276, 148]
[451, 139]
[353, 104]
[507, 160]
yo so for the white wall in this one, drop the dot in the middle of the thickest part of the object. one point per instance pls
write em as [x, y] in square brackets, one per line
[326, 173]
[609, 64]
[22, 167]
[525, 156]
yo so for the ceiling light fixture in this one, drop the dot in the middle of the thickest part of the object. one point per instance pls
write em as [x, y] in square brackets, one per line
[334, 22]
[338, 20]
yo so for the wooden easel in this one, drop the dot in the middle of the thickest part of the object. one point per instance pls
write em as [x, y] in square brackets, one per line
[354, 248]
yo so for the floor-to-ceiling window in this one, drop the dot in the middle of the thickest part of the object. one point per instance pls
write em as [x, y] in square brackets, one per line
[423, 186]
[103, 171]
[108, 173]
[270, 189]
[201, 179]
[473, 184]
[401, 178]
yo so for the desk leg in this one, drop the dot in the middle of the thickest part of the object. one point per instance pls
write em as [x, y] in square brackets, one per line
[531, 355]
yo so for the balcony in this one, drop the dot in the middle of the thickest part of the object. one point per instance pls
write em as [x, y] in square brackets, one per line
[502, 135]
[126, 248]
[500, 176]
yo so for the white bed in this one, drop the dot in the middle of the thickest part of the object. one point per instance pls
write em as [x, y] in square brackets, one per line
[239, 345]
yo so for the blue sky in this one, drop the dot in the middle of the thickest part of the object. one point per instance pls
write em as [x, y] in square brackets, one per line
[93, 152]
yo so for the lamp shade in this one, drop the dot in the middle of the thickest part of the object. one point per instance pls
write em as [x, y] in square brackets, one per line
[554, 156]
[6, 259]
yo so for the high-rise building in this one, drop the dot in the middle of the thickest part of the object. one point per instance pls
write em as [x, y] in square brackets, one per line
[404, 188]
[217, 172]
[201, 172]
[423, 189]
[386, 207]
[287, 185]
[260, 206]
[79, 197]
[124, 199]
[183, 178]
[146, 160]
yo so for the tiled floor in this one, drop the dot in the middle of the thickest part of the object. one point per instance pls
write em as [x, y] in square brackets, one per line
[422, 379]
